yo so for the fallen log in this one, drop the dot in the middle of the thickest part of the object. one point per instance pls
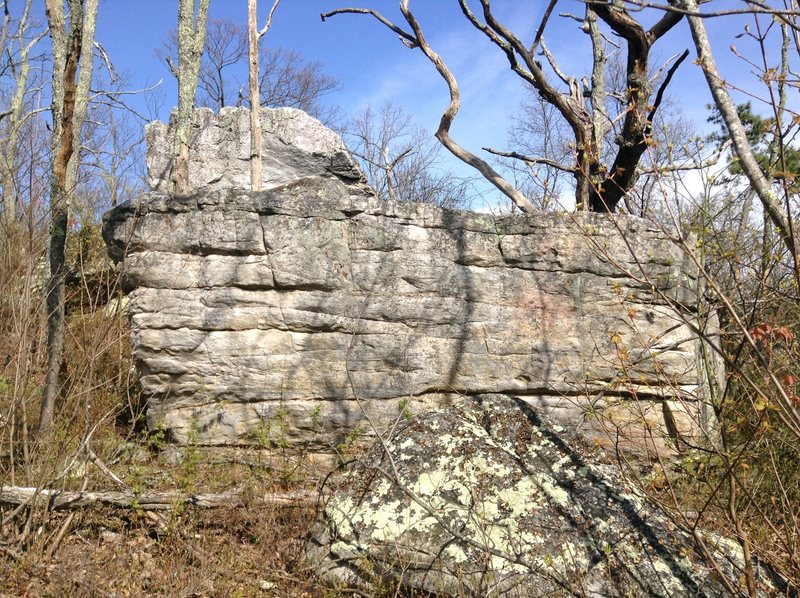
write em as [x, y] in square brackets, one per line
[148, 501]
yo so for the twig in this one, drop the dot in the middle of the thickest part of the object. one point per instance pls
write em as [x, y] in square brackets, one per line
[8, 552]
[112, 72]
[104, 468]
[542, 25]
[263, 31]
[530, 159]
[664, 84]
[51, 550]
[554, 65]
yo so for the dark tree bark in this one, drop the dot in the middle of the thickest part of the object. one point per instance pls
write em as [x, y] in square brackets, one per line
[598, 188]
[68, 107]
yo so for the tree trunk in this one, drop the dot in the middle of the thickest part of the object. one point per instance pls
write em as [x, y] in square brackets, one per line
[66, 92]
[640, 111]
[82, 92]
[16, 118]
[255, 96]
[191, 39]
[759, 181]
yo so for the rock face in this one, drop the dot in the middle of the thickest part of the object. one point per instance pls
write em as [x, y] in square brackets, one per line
[487, 499]
[294, 146]
[310, 313]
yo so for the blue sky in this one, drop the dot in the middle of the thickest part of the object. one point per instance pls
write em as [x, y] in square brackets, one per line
[373, 66]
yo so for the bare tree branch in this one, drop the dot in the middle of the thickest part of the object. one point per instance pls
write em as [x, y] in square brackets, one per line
[443, 132]
[554, 65]
[405, 37]
[747, 160]
[112, 73]
[263, 31]
[542, 25]
[753, 8]
[664, 84]
[531, 159]
[417, 39]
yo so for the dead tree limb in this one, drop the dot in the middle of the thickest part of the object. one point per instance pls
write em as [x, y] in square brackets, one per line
[148, 501]
[416, 39]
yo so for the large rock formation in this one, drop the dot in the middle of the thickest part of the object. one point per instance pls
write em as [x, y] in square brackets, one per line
[486, 498]
[311, 312]
[294, 146]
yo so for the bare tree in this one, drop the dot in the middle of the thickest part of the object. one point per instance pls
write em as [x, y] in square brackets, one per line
[599, 187]
[289, 80]
[72, 57]
[286, 79]
[401, 160]
[226, 46]
[113, 156]
[781, 216]
[539, 130]
[254, 35]
[191, 39]
[17, 62]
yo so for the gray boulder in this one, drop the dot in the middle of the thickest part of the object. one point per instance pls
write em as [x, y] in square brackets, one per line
[488, 499]
[294, 146]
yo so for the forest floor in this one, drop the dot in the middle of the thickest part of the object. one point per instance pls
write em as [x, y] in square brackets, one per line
[252, 549]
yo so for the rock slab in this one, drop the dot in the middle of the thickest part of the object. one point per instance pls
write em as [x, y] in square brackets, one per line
[487, 498]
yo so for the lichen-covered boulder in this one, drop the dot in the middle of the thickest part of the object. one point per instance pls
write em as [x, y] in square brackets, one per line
[487, 499]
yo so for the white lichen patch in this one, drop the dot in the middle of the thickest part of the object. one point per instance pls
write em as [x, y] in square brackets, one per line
[601, 526]
[667, 577]
[455, 552]
[497, 511]
[457, 490]
[555, 493]
[574, 557]
[430, 481]
[636, 500]
[405, 445]
[730, 548]
[505, 566]
[521, 499]
[339, 512]
[556, 467]
[449, 443]
[481, 464]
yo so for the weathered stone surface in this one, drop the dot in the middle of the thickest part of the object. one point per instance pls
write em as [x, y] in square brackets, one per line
[310, 300]
[293, 313]
[294, 145]
[487, 498]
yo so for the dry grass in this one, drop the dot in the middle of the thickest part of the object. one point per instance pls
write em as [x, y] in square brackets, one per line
[104, 551]
[247, 551]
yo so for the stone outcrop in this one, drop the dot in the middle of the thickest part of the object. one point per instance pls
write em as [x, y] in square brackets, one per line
[294, 146]
[487, 498]
[311, 312]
